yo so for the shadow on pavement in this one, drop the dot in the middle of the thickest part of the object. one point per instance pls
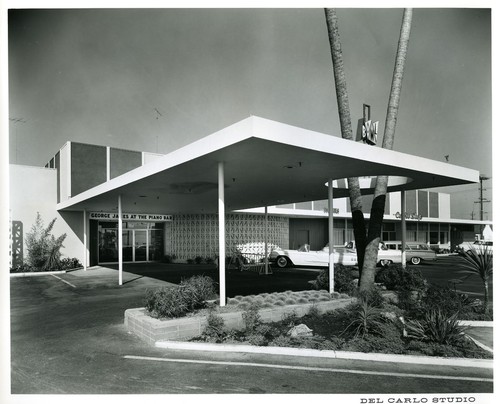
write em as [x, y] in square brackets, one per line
[237, 282]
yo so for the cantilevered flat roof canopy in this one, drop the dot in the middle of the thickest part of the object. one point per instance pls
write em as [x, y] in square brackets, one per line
[266, 163]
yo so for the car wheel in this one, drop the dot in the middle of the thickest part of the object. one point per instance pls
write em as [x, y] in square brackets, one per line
[282, 262]
[385, 263]
[415, 260]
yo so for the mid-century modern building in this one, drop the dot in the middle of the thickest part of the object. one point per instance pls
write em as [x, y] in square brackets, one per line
[270, 180]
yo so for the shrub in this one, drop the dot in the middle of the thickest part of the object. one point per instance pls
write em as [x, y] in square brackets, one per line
[408, 283]
[176, 301]
[210, 260]
[256, 339]
[281, 341]
[195, 291]
[198, 260]
[449, 302]
[376, 343]
[70, 263]
[251, 317]
[396, 277]
[214, 330]
[343, 280]
[290, 319]
[22, 268]
[165, 302]
[314, 311]
[43, 249]
[190, 261]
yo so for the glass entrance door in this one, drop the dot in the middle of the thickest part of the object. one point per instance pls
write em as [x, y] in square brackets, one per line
[142, 242]
[140, 245]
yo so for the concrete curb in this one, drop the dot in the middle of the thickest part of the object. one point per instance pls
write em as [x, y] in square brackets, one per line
[476, 323]
[302, 352]
[27, 274]
[480, 344]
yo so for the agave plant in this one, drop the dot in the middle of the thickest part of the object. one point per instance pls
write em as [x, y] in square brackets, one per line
[480, 262]
[436, 326]
[367, 319]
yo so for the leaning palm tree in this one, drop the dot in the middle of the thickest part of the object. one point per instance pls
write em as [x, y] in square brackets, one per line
[367, 276]
[358, 219]
[367, 245]
[480, 263]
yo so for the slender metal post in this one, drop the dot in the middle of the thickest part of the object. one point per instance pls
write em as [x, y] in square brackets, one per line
[331, 268]
[222, 237]
[403, 229]
[120, 241]
[266, 259]
[84, 240]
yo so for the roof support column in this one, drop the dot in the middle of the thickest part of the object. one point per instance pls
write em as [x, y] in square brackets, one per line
[222, 236]
[84, 240]
[403, 229]
[120, 241]
[266, 224]
[331, 269]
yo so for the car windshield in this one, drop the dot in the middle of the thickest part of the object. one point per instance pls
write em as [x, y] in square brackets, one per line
[304, 248]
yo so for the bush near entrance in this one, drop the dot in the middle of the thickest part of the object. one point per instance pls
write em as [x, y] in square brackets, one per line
[44, 250]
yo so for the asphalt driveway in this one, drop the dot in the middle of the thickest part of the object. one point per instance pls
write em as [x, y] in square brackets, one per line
[67, 336]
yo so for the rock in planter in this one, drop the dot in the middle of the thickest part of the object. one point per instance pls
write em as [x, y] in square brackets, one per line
[300, 330]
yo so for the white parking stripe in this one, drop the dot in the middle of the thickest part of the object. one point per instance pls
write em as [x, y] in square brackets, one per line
[70, 284]
[307, 368]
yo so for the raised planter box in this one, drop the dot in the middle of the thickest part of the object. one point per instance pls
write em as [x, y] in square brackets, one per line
[152, 330]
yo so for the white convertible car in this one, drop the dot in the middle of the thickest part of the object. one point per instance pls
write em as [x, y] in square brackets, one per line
[305, 257]
[342, 255]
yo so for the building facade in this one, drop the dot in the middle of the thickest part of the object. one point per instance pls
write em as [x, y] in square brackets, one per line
[149, 236]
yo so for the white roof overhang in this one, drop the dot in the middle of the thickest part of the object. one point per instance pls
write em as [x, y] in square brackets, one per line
[266, 163]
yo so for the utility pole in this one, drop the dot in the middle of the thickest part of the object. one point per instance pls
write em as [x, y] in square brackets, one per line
[482, 200]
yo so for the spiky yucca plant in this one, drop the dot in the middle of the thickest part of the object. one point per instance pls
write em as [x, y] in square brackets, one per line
[436, 326]
[480, 262]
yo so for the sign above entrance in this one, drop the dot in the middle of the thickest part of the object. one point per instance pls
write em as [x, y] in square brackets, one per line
[143, 217]
[411, 216]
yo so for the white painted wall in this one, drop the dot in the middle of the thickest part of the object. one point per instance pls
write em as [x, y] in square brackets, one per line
[32, 190]
[444, 206]
[149, 157]
[64, 161]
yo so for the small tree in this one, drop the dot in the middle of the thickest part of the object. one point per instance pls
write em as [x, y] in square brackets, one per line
[480, 263]
[43, 249]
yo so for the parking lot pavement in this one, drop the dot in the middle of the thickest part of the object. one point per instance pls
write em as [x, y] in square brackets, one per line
[71, 339]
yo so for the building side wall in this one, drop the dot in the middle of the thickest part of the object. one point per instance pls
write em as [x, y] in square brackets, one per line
[196, 235]
[122, 161]
[308, 231]
[433, 204]
[32, 190]
[423, 203]
[88, 167]
[149, 157]
[64, 172]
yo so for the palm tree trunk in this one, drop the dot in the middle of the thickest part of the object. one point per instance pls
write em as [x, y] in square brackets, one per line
[486, 297]
[358, 219]
[367, 276]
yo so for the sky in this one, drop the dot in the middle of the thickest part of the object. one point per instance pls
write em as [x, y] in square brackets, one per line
[158, 79]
